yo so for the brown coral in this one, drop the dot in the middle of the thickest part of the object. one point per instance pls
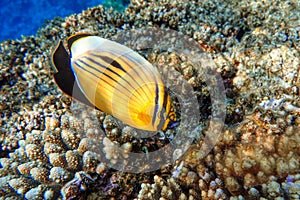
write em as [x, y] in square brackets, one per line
[255, 50]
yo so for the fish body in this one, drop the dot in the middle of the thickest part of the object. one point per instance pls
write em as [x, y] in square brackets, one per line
[114, 79]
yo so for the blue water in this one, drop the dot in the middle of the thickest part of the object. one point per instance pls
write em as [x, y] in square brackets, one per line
[24, 17]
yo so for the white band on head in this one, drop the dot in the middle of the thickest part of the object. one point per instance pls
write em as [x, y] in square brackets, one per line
[85, 44]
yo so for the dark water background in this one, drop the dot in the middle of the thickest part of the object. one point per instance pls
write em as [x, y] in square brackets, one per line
[24, 17]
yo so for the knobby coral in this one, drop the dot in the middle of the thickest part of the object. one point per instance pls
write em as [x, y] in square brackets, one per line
[50, 145]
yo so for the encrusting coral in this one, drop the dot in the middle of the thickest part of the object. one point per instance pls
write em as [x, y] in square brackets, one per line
[50, 146]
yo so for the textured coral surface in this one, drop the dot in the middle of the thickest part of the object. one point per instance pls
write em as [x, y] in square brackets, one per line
[53, 148]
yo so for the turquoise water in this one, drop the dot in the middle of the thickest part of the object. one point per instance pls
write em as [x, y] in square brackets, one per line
[24, 17]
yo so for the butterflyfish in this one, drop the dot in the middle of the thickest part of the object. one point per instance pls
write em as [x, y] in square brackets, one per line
[115, 79]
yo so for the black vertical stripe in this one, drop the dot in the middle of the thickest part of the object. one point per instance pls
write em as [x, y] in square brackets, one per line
[163, 109]
[154, 117]
[100, 63]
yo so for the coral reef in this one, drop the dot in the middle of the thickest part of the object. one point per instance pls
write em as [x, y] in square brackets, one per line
[54, 148]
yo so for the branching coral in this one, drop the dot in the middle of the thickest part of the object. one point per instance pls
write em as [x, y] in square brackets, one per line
[50, 145]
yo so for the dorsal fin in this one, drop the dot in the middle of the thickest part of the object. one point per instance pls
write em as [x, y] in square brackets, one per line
[64, 76]
[75, 37]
